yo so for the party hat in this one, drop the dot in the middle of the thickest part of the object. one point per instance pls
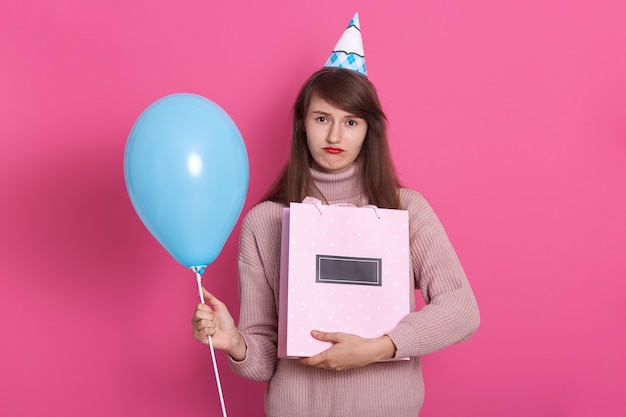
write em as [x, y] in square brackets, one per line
[348, 53]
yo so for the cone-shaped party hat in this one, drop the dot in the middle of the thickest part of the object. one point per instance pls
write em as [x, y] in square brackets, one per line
[348, 53]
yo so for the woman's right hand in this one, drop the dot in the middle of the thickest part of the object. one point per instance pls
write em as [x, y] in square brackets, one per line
[213, 319]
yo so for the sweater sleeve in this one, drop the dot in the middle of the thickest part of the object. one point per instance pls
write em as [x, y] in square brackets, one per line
[451, 313]
[258, 320]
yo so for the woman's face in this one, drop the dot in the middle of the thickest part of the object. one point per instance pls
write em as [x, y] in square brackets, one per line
[334, 137]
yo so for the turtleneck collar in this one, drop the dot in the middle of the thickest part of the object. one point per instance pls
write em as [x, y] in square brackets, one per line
[342, 187]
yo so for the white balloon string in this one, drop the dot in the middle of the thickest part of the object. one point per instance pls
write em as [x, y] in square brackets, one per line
[200, 293]
[215, 370]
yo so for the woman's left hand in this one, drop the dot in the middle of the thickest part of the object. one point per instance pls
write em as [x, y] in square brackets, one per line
[349, 351]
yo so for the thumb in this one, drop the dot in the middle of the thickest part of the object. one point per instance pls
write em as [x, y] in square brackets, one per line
[325, 336]
[211, 299]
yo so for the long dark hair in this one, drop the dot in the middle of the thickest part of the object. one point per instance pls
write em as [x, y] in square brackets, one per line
[353, 93]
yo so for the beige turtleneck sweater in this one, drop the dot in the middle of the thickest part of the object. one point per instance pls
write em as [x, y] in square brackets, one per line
[377, 390]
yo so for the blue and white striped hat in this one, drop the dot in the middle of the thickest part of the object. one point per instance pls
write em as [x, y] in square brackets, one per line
[348, 53]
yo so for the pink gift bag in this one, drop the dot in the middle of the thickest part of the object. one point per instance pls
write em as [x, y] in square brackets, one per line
[343, 269]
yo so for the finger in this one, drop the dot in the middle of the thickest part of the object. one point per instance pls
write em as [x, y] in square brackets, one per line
[316, 360]
[310, 361]
[204, 324]
[203, 307]
[202, 336]
[201, 311]
[321, 362]
[202, 315]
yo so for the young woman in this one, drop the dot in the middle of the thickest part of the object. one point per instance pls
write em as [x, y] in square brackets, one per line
[340, 154]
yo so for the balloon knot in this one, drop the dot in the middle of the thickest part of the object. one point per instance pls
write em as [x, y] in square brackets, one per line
[198, 269]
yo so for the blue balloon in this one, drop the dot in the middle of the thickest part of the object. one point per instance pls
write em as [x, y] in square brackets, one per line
[186, 171]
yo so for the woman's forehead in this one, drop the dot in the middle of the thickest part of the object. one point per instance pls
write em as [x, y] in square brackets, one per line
[317, 102]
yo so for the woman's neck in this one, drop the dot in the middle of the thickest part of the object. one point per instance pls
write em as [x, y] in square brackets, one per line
[342, 187]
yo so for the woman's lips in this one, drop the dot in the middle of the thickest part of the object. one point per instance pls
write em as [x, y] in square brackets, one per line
[333, 151]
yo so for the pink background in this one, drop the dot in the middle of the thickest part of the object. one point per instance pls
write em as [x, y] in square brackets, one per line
[509, 116]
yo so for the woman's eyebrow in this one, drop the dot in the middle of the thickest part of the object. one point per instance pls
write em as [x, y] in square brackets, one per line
[323, 113]
[346, 116]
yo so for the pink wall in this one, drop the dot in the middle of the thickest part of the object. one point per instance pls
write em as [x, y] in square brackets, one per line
[510, 116]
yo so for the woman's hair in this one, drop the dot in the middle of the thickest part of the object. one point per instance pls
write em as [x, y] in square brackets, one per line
[355, 94]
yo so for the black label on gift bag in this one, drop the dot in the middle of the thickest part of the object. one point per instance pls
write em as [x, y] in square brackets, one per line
[348, 270]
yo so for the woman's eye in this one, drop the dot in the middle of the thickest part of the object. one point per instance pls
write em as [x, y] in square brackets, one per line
[351, 122]
[321, 119]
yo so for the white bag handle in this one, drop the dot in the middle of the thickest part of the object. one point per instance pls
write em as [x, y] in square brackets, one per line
[318, 204]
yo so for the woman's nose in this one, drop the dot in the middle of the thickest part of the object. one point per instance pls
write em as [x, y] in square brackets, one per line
[334, 133]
